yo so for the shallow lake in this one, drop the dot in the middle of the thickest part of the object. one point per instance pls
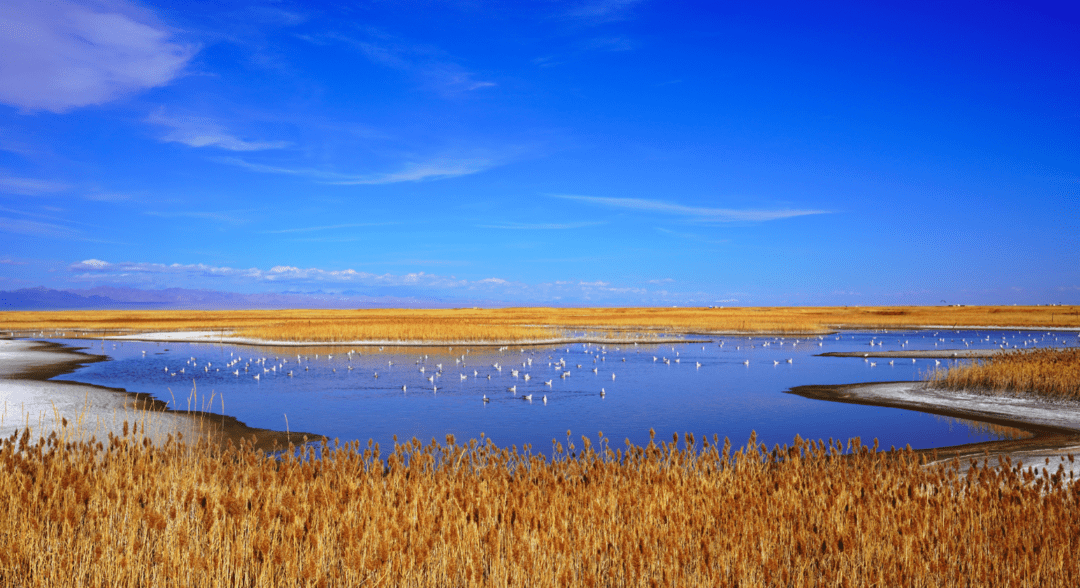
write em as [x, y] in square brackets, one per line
[659, 386]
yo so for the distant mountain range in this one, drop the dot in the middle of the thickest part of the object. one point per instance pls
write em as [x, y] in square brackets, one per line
[110, 298]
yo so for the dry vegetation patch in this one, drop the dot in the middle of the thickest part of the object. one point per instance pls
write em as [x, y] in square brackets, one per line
[128, 513]
[529, 324]
[1049, 372]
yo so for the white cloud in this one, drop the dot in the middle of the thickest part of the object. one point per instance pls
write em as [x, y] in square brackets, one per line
[21, 226]
[202, 132]
[60, 54]
[697, 212]
[329, 227]
[539, 226]
[430, 65]
[433, 169]
[601, 11]
[30, 186]
[294, 278]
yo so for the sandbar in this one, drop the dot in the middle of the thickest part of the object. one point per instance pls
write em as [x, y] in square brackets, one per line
[1053, 424]
[30, 399]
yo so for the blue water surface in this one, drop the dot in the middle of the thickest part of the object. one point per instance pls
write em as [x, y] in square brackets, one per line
[724, 396]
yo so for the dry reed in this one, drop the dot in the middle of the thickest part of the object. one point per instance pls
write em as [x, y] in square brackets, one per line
[1049, 372]
[125, 512]
[529, 324]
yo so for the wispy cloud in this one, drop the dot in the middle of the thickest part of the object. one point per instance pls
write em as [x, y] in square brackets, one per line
[203, 132]
[610, 44]
[692, 237]
[432, 66]
[22, 226]
[696, 212]
[328, 228]
[60, 55]
[601, 11]
[539, 226]
[228, 216]
[30, 186]
[433, 169]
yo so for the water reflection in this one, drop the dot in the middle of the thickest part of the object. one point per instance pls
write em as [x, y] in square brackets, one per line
[729, 387]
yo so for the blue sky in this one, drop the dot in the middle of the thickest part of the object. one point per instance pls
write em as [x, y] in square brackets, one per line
[609, 153]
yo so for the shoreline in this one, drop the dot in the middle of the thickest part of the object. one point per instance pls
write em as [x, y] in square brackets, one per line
[80, 411]
[213, 337]
[935, 353]
[1054, 425]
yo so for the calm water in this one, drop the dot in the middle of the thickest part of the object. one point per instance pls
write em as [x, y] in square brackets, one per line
[724, 396]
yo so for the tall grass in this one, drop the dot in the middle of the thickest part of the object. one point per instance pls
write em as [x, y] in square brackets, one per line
[1049, 372]
[528, 324]
[124, 512]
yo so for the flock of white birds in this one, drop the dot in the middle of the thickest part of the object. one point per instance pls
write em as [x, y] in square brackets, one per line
[595, 358]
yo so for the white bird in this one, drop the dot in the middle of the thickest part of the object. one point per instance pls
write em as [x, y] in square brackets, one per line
[236, 373]
[612, 376]
[594, 370]
[747, 362]
[602, 393]
[528, 397]
[290, 373]
[403, 388]
[512, 389]
[789, 360]
[545, 399]
[548, 383]
[527, 377]
[698, 363]
[464, 377]
[486, 399]
[774, 362]
[257, 376]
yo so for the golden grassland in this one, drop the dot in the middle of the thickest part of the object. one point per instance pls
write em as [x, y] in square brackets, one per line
[530, 324]
[1049, 372]
[125, 512]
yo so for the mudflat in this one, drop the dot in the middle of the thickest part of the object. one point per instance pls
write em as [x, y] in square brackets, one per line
[79, 412]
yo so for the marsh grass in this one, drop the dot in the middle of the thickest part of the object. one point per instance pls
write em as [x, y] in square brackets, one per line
[525, 324]
[127, 512]
[1054, 373]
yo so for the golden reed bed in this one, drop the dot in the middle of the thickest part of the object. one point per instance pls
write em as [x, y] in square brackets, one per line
[530, 324]
[1048, 372]
[128, 513]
